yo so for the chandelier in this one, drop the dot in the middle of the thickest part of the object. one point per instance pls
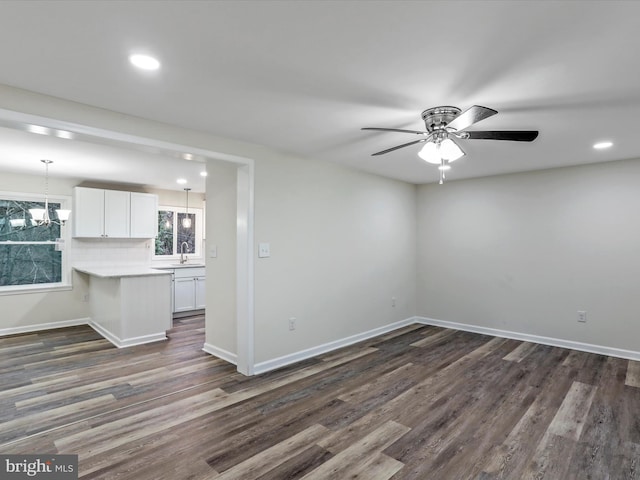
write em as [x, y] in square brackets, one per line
[41, 215]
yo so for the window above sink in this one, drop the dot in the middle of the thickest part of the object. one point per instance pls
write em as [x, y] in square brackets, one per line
[173, 238]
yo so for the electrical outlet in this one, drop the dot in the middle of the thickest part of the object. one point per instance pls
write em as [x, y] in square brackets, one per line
[393, 301]
[292, 323]
[582, 316]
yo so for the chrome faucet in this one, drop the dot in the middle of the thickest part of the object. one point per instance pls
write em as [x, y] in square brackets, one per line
[183, 258]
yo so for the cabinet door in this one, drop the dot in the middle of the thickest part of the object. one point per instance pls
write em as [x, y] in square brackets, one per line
[117, 213]
[201, 292]
[184, 294]
[88, 212]
[144, 215]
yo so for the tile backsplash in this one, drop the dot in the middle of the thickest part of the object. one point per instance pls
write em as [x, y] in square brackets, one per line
[110, 252]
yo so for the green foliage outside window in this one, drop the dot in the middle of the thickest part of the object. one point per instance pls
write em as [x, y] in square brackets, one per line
[173, 238]
[164, 240]
[23, 262]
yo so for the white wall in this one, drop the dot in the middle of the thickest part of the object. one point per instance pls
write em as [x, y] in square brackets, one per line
[221, 327]
[525, 252]
[342, 245]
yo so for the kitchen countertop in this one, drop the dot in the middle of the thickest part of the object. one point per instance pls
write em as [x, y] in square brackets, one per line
[178, 265]
[123, 271]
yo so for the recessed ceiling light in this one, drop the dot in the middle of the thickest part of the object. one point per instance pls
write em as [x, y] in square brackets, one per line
[64, 134]
[187, 156]
[145, 62]
[203, 173]
[39, 129]
[601, 145]
[181, 181]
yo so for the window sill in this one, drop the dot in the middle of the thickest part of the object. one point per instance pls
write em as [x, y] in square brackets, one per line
[43, 288]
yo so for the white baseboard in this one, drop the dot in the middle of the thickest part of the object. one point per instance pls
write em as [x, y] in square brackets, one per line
[129, 342]
[220, 353]
[279, 362]
[43, 326]
[554, 342]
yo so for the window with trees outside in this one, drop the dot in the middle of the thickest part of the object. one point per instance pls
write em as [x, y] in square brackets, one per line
[31, 255]
[174, 237]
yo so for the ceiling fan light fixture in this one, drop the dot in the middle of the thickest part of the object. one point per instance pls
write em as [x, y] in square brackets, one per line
[430, 153]
[450, 151]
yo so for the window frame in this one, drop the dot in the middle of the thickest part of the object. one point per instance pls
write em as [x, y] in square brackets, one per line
[63, 244]
[199, 234]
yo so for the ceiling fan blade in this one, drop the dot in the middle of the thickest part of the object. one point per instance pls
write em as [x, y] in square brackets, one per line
[400, 146]
[470, 116]
[395, 130]
[513, 135]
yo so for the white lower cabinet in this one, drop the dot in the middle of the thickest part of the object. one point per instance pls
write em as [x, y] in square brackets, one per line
[189, 289]
[201, 292]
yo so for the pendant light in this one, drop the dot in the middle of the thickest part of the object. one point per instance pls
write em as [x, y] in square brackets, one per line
[186, 221]
[41, 215]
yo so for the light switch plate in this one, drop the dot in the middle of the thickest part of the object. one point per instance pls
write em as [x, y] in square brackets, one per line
[263, 250]
[213, 251]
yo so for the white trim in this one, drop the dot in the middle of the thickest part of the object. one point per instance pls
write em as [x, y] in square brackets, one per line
[245, 270]
[43, 326]
[269, 365]
[129, 342]
[220, 353]
[34, 288]
[526, 337]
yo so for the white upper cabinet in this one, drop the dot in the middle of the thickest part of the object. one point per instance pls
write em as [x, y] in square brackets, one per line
[99, 213]
[117, 214]
[88, 212]
[144, 215]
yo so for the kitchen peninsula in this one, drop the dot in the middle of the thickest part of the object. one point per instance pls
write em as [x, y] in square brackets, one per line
[129, 305]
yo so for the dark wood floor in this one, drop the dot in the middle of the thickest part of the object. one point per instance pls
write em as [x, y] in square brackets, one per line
[420, 403]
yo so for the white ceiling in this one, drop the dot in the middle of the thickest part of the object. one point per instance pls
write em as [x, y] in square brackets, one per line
[305, 76]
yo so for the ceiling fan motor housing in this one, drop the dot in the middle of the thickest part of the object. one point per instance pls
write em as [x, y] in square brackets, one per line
[438, 118]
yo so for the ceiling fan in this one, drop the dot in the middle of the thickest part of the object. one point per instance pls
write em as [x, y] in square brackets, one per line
[445, 123]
